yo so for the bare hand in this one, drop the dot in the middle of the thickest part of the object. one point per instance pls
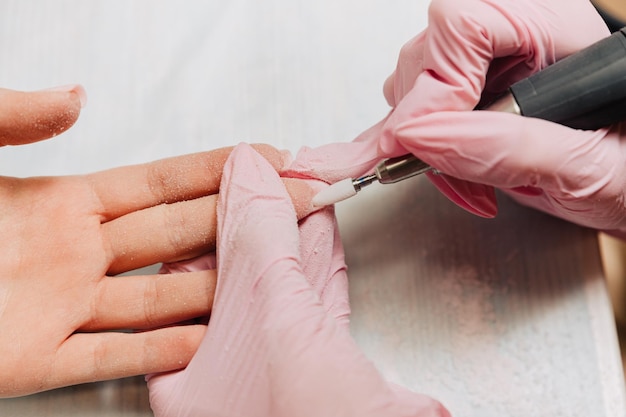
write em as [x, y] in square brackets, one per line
[65, 237]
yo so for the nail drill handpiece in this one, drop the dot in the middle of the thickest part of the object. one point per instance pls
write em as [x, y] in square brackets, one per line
[393, 170]
[586, 90]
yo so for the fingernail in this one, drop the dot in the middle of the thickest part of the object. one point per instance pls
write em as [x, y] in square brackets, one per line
[301, 193]
[78, 89]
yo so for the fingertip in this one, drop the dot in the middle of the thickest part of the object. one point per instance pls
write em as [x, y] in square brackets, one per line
[302, 193]
[277, 158]
[76, 91]
[100, 356]
[186, 344]
[80, 91]
[168, 349]
[478, 199]
[27, 117]
[388, 90]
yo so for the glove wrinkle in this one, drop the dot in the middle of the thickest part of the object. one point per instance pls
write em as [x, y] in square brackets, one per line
[278, 342]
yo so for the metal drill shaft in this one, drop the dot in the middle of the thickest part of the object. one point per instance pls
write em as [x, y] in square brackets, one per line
[400, 168]
[406, 166]
[359, 183]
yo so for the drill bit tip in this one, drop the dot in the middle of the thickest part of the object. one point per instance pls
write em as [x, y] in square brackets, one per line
[335, 193]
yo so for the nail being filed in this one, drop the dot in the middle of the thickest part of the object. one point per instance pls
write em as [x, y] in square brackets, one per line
[395, 169]
[586, 90]
[387, 172]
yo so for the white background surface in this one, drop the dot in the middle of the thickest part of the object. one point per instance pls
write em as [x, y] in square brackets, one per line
[172, 77]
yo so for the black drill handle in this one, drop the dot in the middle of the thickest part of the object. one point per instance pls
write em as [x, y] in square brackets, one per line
[586, 90]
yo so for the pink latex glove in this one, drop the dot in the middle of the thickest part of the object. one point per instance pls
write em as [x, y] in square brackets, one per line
[472, 51]
[278, 342]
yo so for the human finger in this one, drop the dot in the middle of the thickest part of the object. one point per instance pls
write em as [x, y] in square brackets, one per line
[530, 156]
[27, 117]
[323, 263]
[471, 52]
[127, 189]
[285, 327]
[410, 65]
[446, 67]
[146, 302]
[477, 198]
[479, 48]
[164, 233]
[90, 357]
[498, 149]
[301, 193]
[254, 209]
[177, 231]
[336, 161]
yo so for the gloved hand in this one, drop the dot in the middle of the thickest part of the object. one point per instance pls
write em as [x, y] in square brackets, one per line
[482, 47]
[277, 342]
[472, 51]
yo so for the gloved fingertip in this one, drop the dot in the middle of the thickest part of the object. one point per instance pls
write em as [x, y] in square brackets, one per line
[388, 90]
[478, 199]
[484, 207]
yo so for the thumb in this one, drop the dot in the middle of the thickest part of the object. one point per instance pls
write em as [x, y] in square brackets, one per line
[27, 117]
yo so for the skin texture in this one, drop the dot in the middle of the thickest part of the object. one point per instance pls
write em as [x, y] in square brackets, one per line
[471, 52]
[66, 238]
[34, 116]
[278, 342]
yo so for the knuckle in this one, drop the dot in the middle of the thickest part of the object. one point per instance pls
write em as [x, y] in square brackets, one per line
[174, 225]
[150, 303]
[160, 178]
[100, 359]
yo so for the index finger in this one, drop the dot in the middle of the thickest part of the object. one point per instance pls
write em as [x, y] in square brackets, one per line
[458, 47]
[446, 67]
[124, 190]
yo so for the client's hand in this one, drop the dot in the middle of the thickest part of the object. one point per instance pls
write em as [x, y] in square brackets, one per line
[278, 342]
[65, 236]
